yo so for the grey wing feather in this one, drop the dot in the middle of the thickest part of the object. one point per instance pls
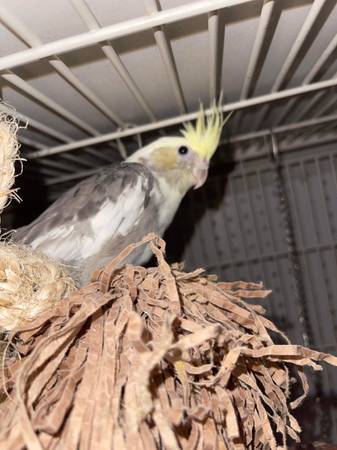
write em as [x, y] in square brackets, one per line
[86, 198]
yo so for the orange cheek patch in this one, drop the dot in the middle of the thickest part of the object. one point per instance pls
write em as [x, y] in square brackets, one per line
[164, 158]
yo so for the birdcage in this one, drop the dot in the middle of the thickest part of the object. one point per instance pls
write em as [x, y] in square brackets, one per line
[92, 81]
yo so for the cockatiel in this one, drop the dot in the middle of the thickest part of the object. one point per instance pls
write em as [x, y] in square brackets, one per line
[88, 225]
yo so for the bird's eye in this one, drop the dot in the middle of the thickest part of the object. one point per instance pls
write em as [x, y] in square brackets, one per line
[182, 150]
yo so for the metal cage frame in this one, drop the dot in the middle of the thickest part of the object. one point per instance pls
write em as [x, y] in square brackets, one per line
[67, 167]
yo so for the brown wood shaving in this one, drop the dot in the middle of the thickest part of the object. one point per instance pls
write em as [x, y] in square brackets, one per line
[153, 359]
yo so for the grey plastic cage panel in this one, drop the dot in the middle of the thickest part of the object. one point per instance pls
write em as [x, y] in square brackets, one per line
[240, 235]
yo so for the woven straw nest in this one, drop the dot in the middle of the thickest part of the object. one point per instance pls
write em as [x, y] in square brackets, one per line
[29, 281]
[8, 155]
[153, 359]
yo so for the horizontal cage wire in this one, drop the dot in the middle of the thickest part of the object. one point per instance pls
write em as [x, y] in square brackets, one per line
[306, 95]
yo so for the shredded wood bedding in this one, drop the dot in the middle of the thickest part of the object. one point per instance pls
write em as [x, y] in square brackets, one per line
[153, 359]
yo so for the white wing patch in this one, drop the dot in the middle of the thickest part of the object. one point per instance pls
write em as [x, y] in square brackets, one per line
[57, 242]
[80, 240]
[114, 218]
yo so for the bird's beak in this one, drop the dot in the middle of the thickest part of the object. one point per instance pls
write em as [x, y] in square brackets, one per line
[200, 173]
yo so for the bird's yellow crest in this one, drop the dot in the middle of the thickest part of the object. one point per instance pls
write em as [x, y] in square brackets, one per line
[204, 137]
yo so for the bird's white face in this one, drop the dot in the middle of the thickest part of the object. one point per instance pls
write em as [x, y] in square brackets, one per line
[183, 161]
[190, 161]
[174, 159]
